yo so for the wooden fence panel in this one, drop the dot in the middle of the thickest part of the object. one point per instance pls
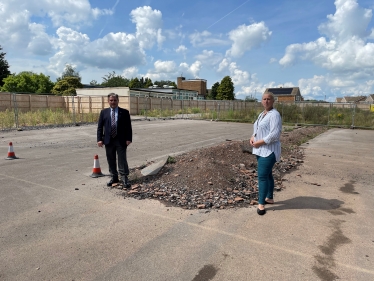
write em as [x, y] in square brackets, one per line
[136, 105]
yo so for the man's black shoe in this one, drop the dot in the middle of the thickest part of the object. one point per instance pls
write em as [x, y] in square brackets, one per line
[126, 182]
[112, 181]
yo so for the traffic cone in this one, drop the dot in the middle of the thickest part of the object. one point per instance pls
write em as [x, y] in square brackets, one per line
[96, 171]
[11, 154]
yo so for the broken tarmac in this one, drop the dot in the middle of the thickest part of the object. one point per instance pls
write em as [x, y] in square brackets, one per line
[57, 223]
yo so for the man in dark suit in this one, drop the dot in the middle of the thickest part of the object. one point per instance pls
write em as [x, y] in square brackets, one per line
[115, 132]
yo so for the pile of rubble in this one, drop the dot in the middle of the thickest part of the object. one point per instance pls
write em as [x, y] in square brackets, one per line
[218, 177]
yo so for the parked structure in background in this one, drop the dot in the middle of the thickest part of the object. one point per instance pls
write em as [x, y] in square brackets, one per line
[348, 99]
[338, 99]
[370, 99]
[164, 93]
[286, 94]
[99, 92]
[198, 85]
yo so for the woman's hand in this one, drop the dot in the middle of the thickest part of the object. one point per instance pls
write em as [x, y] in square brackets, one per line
[252, 140]
[257, 144]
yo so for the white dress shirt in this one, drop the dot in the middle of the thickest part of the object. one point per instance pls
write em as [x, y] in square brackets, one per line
[269, 129]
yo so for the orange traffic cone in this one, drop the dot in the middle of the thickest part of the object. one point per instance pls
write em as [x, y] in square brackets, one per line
[96, 171]
[11, 154]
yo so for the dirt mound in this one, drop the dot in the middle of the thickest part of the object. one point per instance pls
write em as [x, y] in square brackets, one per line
[218, 177]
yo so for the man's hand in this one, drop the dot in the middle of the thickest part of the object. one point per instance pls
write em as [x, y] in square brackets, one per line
[100, 144]
[128, 143]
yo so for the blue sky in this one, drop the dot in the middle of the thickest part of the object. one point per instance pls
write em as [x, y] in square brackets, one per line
[325, 47]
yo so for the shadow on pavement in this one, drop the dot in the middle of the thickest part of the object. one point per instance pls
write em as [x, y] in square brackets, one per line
[307, 202]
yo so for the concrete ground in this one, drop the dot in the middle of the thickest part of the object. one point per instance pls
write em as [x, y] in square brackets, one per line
[57, 223]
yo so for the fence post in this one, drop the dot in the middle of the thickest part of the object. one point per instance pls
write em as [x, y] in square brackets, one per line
[30, 107]
[137, 106]
[353, 116]
[79, 105]
[328, 117]
[182, 108]
[145, 107]
[73, 105]
[172, 106]
[161, 108]
[15, 107]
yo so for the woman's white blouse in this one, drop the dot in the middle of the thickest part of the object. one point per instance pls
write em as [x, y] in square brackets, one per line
[269, 129]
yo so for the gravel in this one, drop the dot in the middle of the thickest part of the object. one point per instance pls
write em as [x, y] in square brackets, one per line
[218, 177]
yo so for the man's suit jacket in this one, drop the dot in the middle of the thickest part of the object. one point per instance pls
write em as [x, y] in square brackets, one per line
[124, 130]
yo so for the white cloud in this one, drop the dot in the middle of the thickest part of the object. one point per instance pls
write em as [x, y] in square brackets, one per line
[164, 66]
[223, 65]
[371, 36]
[209, 57]
[148, 26]
[205, 38]
[174, 33]
[273, 60]
[348, 21]
[14, 29]
[247, 37]
[18, 31]
[190, 70]
[181, 49]
[312, 87]
[195, 69]
[345, 50]
[130, 72]
[239, 77]
[59, 12]
[40, 43]
[113, 51]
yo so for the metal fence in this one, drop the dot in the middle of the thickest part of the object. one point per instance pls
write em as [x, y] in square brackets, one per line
[18, 110]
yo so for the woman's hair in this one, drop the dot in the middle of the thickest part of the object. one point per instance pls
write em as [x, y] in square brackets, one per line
[270, 94]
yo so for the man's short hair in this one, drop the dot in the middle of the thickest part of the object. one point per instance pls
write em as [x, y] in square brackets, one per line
[113, 95]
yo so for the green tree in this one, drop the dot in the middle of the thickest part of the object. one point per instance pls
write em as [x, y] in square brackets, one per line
[27, 82]
[69, 71]
[165, 82]
[250, 98]
[225, 90]
[213, 91]
[148, 82]
[4, 67]
[67, 86]
[135, 83]
[114, 80]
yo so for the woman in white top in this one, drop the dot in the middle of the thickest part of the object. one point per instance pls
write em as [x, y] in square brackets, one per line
[267, 148]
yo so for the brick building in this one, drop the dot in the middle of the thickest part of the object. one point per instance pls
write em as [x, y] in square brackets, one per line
[198, 85]
[286, 94]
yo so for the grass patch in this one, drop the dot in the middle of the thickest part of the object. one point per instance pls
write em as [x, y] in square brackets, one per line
[44, 118]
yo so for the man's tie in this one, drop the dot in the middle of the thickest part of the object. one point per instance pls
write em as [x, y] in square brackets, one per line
[113, 132]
